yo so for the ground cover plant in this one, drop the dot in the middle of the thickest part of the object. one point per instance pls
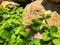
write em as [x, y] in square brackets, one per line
[12, 31]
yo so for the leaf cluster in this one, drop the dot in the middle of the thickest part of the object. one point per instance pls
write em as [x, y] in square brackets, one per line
[12, 32]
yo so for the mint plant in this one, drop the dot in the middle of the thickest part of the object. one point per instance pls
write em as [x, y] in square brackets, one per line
[11, 28]
[12, 31]
[49, 35]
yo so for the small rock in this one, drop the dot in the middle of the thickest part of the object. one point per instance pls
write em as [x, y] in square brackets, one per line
[6, 3]
[32, 11]
[38, 35]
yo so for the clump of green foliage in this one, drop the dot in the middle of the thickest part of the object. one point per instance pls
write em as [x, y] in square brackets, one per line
[12, 32]
[50, 36]
[11, 28]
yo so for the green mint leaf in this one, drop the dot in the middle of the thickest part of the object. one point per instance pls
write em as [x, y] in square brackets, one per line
[23, 33]
[53, 29]
[45, 15]
[56, 41]
[35, 27]
[54, 34]
[37, 41]
[10, 6]
[13, 37]
[45, 36]
[5, 35]
[45, 25]
[1, 41]
[39, 21]
[1, 7]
